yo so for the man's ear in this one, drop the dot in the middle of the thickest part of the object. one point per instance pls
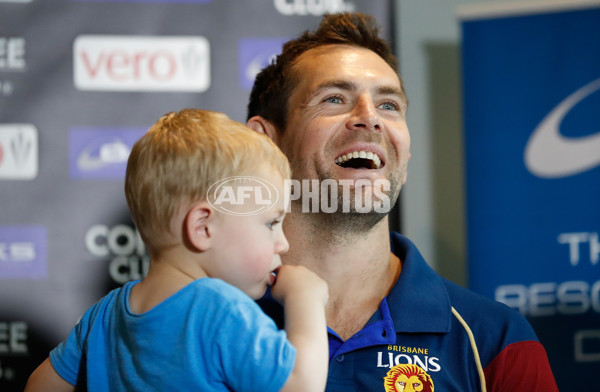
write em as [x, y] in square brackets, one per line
[199, 226]
[260, 125]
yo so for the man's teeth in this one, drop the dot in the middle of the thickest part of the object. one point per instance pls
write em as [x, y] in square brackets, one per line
[359, 154]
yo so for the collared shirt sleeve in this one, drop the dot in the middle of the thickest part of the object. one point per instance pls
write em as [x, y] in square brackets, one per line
[521, 366]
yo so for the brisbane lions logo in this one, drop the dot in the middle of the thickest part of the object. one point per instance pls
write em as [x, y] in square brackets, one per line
[407, 378]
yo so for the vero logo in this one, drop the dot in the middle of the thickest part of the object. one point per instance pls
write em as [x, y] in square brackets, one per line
[141, 63]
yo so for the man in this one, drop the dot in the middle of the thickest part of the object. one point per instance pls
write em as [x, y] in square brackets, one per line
[335, 105]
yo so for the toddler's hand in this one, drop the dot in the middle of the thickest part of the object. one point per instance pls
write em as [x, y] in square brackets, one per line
[296, 281]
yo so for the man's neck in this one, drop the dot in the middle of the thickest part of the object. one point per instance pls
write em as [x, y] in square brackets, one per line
[358, 266]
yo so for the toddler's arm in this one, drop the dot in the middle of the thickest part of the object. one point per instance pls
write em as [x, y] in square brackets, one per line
[45, 379]
[304, 295]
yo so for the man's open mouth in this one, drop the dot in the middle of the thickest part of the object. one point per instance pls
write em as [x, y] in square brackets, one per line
[359, 160]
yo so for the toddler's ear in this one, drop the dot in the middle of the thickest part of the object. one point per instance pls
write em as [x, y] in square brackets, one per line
[199, 224]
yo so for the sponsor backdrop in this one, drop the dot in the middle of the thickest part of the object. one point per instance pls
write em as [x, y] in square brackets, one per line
[532, 93]
[80, 81]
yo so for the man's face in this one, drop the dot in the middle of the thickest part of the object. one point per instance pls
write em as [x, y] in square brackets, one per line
[347, 100]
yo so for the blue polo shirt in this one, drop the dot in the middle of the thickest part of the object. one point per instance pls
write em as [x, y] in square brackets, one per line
[420, 335]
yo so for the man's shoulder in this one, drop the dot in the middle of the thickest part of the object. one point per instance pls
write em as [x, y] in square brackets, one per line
[494, 325]
[461, 298]
[474, 304]
[475, 309]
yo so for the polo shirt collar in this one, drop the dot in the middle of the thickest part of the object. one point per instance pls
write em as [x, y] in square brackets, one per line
[418, 302]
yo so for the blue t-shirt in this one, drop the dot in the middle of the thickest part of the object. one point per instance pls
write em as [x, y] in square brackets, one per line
[209, 336]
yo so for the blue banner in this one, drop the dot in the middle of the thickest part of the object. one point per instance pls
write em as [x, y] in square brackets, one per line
[532, 146]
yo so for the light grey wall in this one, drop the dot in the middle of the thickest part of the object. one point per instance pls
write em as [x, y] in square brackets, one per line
[433, 213]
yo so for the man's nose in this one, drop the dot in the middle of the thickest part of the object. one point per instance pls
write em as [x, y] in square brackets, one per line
[364, 115]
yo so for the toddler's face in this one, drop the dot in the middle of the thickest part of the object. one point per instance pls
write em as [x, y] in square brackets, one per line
[250, 237]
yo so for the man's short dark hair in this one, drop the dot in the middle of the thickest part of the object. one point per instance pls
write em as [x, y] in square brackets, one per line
[273, 85]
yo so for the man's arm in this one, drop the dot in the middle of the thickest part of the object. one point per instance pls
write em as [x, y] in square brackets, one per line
[304, 295]
[521, 366]
[45, 379]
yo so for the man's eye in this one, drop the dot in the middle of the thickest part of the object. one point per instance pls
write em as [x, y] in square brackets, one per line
[334, 99]
[389, 106]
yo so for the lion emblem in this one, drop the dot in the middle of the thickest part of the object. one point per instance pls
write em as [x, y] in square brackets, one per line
[407, 378]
